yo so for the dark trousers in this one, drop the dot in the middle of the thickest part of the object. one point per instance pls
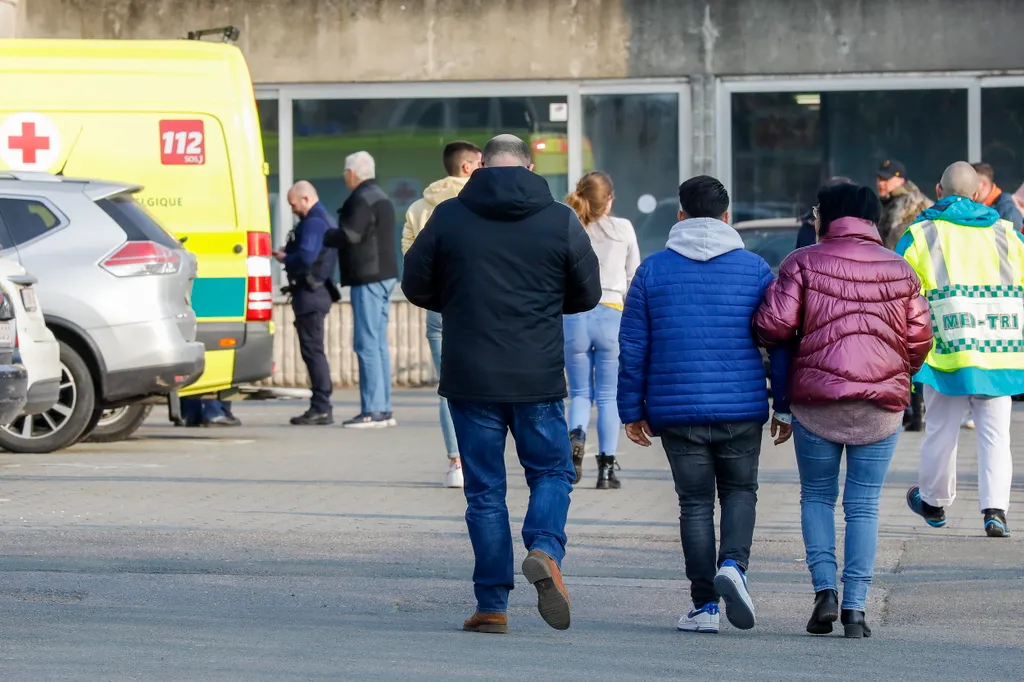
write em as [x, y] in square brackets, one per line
[310, 328]
[701, 457]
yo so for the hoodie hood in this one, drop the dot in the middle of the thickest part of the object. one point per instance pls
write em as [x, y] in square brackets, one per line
[511, 194]
[443, 190]
[702, 239]
[960, 211]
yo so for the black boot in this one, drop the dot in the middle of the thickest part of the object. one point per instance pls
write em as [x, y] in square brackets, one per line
[826, 612]
[916, 409]
[578, 442]
[855, 624]
[606, 478]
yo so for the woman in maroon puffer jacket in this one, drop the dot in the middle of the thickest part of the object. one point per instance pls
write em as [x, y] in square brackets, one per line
[862, 329]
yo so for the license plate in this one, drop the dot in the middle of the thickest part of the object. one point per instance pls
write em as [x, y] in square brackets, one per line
[6, 333]
[28, 297]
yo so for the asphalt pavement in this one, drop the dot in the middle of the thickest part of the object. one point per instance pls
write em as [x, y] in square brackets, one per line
[273, 552]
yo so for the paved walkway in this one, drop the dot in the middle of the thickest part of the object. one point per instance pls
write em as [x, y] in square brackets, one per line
[276, 553]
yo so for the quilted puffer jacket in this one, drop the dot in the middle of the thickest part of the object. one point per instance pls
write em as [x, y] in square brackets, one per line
[857, 312]
[687, 354]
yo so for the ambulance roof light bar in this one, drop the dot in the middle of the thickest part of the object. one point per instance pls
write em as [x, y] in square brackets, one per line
[229, 34]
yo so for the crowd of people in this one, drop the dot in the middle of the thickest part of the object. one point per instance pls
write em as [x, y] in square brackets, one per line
[525, 294]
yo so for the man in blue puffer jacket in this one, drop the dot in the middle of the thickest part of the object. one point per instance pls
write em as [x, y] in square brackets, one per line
[690, 372]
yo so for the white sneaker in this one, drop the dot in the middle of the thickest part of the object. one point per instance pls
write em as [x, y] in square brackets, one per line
[454, 478]
[731, 585]
[704, 619]
[968, 422]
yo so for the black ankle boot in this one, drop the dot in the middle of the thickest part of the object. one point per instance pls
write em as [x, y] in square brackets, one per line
[916, 409]
[606, 478]
[826, 612]
[855, 624]
[578, 443]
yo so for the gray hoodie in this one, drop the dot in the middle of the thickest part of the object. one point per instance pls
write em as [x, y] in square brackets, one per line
[702, 239]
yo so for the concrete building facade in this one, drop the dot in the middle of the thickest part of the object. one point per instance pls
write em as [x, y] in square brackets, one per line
[772, 96]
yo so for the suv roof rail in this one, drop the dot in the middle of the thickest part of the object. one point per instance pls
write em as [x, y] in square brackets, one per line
[30, 176]
[228, 34]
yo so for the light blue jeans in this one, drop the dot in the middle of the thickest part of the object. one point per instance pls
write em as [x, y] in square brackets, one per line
[592, 363]
[451, 444]
[371, 305]
[866, 466]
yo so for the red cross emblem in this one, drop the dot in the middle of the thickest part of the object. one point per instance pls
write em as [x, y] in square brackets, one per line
[28, 142]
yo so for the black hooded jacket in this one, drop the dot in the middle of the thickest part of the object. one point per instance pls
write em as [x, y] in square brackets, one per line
[502, 263]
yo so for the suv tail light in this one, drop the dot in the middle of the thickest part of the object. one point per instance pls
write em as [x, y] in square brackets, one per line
[133, 259]
[260, 300]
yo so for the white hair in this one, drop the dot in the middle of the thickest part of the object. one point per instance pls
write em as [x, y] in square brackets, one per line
[362, 165]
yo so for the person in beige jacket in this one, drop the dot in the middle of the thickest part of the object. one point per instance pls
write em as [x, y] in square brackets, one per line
[460, 160]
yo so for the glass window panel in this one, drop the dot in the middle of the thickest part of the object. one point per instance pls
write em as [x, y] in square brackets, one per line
[635, 139]
[1002, 135]
[785, 145]
[406, 138]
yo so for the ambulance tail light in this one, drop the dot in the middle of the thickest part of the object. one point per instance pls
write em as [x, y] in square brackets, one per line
[137, 259]
[260, 299]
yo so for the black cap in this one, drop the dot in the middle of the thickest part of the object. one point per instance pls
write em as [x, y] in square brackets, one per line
[891, 168]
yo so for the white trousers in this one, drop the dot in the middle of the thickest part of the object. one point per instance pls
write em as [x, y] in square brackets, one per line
[937, 474]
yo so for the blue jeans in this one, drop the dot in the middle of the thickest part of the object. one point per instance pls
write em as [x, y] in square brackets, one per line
[592, 363]
[542, 442]
[451, 444]
[371, 304]
[866, 466]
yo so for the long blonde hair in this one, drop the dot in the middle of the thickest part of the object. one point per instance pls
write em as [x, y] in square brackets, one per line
[592, 197]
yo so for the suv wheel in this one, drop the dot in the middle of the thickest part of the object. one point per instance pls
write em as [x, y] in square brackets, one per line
[118, 423]
[63, 424]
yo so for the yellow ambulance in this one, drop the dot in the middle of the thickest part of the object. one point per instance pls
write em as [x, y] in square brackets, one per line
[179, 118]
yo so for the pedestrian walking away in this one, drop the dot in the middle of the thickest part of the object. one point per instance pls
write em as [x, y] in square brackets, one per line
[690, 372]
[592, 338]
[309, 266]
[365, 240]
[808, 233]
[971, 266]
[861, 327]
[502, 263]
[460, 160]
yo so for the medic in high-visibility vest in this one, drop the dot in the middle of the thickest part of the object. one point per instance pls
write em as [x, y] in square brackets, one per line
[971, 265]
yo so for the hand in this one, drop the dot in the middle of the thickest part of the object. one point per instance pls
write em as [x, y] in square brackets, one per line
[781, 431]
[279, 255]
[640, 433]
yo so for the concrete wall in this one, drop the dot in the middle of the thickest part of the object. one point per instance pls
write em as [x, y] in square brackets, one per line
[397, 40]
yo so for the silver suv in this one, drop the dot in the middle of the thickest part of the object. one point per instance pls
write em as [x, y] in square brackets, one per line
[115, 289]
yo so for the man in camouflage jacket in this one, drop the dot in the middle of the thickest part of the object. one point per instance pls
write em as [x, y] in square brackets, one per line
[902, 201]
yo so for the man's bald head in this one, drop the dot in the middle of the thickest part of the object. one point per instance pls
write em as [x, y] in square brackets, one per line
[959, 180]
[302, 197]
[507, 150]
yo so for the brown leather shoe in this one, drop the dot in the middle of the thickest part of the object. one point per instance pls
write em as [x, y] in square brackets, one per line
[552, 598]
[490, 623]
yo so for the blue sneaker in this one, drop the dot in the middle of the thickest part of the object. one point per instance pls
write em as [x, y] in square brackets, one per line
[995, 523]
[731, 585]
[704, 619]
[933, 516]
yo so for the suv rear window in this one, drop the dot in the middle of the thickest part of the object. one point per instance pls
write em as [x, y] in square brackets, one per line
[137, 224]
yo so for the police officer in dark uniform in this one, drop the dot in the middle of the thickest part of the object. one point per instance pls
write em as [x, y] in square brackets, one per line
[309, 266]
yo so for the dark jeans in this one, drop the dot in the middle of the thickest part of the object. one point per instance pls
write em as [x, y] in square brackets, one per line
[542, 442]
[701, 457]
[310, 328]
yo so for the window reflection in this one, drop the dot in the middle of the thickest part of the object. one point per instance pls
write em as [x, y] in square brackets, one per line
[406, 138]
[635, 139]
[785, 145]
[1002, 135]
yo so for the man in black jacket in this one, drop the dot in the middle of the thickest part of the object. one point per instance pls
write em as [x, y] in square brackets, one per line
[502, 262]
[365, 240]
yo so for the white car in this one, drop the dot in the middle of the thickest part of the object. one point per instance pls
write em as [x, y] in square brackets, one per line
[35, 346]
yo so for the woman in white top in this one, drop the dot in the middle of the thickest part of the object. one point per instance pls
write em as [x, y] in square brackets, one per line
[592, 338]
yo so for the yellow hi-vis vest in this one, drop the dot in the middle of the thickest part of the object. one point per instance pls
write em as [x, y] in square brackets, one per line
[973, 278]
